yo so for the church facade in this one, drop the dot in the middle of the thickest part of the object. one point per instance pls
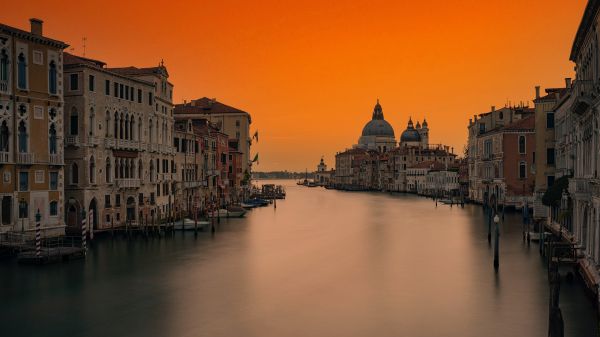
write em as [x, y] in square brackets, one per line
[380, 163]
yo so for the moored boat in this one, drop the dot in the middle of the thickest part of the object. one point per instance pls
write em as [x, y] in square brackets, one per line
[190, 224]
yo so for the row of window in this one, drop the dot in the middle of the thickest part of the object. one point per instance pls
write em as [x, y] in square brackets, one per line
[39, 179]
[120, 90]
[24, 209]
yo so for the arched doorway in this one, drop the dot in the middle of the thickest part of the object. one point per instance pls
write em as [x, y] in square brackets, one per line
[130, 209]
[93, 209]
[72, 216]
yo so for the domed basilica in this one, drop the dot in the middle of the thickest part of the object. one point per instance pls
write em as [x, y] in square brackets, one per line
[379, 135]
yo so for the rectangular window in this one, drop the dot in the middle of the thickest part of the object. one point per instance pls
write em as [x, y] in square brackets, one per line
[116, 89]
[118, 200]
[74, 82]
[127, 92]
[121, 90]
[23, 181]
[150, 99]
[54, 181]
[550, 156]
[158, 190]
[139, 96]
[152, 201]
[131, 94]
[522, 170]
[141, 198]
[550, 120]
[550, 181]
[107, 201]
[53, 208]
[92, 83]
[107, 87]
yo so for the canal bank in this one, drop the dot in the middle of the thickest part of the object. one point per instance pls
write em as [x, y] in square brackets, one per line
[322, 263]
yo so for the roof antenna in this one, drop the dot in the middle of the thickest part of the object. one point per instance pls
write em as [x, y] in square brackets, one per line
[84, 39]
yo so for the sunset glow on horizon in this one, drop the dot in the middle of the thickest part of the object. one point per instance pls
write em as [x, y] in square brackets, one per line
[310, 73]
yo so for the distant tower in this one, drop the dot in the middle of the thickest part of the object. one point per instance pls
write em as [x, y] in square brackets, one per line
[424, 133]
[322, 167]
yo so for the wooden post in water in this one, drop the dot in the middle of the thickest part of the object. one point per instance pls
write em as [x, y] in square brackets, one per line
[497, 242]
[489, 220]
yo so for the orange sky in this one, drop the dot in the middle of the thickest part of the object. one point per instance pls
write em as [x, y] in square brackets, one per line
[309, 72]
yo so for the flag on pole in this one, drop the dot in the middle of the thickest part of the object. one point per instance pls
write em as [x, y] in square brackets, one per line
[255, 135]
[256, 159]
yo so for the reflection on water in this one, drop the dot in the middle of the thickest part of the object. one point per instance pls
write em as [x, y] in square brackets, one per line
[324, 263]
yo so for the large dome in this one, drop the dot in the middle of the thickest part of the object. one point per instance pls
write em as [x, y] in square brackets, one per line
[378, 127]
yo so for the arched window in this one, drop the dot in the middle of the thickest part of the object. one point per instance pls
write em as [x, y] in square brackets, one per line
[92, 125]
[92, 170]
[121, 127]
[126, 126]
[140, 170]
[151, 171]
[52, 139]
[74, 122]
[522, 144]
[4, 137]
[116, 129]
[22, 71]
[22, 137]
[52, 78]
[150, 138]
[108, 170]
[131, 124]
[74, 174]
[139, 134]
[4, 70]
[53, 208]
[107, 125]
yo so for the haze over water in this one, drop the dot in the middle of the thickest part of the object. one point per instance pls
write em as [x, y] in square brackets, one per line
[323, 263]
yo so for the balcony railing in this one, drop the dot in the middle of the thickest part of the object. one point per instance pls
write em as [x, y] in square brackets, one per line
[25, 158]
[93, 140]
[3, 86]
[72, 140]
[585, 94]
[56, 159]
[580, 186]
[4, 157]
[128, 183]
[192, 184]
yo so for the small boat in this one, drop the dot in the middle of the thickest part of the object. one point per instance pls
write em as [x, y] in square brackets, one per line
[257, 202]
[534, 236]
[230, 212]
[311, 184]
[190, 224]
[248, 206]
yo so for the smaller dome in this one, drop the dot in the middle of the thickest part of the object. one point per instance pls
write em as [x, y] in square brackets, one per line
[410, 135]
[424, 123]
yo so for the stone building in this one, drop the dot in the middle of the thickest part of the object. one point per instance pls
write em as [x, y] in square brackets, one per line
[502, 164]
[322, 175]
[479, 125]
[119, 148]
[233, 122]
[544, 166]
[31, 129]
[189, 162]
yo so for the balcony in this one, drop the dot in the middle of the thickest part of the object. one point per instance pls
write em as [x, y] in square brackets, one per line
[584, 95]
[4, 157]
[128, 183]
[109, 143]
[192, 184]
[25, 158]
[72, 140]
[580, 187]
[56, 159]
[93, 140]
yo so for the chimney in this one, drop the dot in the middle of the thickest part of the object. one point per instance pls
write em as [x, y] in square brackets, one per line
[36, 26]
[568, 82]
[493, 108]
[537, 91]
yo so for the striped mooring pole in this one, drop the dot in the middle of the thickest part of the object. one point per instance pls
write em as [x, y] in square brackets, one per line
[91, 222]
[38, 235]
[83, 233]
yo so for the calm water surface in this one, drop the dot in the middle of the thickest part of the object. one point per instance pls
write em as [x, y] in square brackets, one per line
[324, 263]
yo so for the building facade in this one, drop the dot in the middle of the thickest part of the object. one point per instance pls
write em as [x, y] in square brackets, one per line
[118, 151]
[31, 129]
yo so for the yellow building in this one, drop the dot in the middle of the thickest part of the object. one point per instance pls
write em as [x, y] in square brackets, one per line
[31, 129]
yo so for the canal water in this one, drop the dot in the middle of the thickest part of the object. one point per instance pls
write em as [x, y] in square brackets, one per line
[323, 263]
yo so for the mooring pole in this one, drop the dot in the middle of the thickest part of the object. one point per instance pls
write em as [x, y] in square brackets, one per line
[83, 232]
[497, 242]
[38, 234]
